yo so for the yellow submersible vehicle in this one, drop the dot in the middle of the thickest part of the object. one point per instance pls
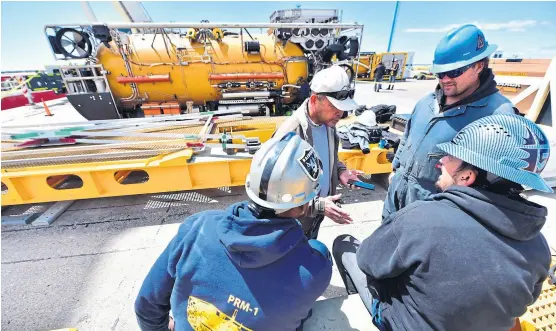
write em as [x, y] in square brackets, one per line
[148, 69]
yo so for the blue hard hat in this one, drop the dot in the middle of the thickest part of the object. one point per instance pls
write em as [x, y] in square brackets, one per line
[509, 146]
[460, 47]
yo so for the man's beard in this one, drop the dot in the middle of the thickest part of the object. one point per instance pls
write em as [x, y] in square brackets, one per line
[454, 91]
[438, 188]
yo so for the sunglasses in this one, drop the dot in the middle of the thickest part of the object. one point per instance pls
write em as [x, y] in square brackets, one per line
[454, 73]
[340, 95]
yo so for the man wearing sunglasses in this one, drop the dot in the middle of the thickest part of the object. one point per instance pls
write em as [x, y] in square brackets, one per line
[332, 91]
[466, 92]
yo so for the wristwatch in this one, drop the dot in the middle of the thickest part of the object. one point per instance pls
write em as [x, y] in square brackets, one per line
[320, 203]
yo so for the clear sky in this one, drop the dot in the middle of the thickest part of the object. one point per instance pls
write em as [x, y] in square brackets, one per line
[524, 28]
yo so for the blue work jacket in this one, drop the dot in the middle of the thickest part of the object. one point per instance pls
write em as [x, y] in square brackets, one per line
[417, 156]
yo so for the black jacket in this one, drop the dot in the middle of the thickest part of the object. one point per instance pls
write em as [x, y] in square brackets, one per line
[380, 71]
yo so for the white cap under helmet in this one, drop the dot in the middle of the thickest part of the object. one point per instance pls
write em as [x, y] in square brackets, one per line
[334, 79]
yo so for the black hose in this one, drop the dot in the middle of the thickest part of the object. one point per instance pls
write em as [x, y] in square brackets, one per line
[353, 47]
[329, 51]
[250, 36]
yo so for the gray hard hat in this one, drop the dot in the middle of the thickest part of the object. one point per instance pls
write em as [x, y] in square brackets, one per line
[285, 173]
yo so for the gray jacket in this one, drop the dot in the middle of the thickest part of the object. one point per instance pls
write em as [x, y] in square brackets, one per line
[299, 123]
[465, 260]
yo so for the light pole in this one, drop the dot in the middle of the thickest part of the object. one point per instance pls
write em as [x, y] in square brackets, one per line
[393, 26]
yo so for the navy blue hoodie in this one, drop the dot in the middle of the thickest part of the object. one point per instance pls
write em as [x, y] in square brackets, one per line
[467, 260]
[228, 270]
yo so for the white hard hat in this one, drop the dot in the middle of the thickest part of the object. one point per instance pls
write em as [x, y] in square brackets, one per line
[334, 79]
[285, 173]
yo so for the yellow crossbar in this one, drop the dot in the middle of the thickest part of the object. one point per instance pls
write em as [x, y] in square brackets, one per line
[170, 171]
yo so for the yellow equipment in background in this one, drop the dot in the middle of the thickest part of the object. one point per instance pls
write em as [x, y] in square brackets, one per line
[368, 61]
[189, 70]
[147, 69]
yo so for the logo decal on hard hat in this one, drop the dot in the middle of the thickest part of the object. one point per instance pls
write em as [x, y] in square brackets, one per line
[480, 42]
[538, 150]
[310, 164]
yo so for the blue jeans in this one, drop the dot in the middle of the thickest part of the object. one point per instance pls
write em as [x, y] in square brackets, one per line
[344, 250]
[313, 232]
[378, 81]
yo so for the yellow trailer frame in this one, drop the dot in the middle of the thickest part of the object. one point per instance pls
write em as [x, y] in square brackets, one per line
[169, 171]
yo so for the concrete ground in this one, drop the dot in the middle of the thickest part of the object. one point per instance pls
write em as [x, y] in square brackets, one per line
[85, 270]
[62, 112]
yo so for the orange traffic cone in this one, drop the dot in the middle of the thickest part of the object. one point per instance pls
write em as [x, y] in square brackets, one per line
[48, 113]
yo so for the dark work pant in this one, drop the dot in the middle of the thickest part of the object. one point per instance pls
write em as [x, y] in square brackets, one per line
[378, 85]
[311, 227]
[344, 251]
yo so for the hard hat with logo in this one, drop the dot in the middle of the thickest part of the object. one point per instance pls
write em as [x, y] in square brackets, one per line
[509, 146]
[285, 173]
[461, 47]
